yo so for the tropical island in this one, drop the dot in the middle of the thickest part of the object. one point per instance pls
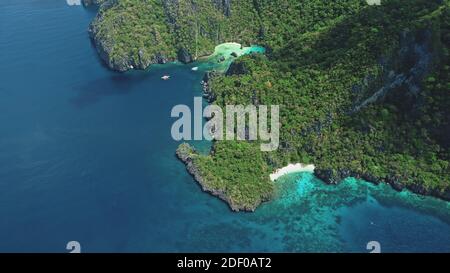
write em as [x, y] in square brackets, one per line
[363, 90]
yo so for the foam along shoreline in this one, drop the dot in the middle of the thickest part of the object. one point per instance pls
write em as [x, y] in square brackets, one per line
[292, 168]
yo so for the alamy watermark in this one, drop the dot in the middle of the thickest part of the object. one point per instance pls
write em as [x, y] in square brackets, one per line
[74, 247]
[248, 122]
[374, 247]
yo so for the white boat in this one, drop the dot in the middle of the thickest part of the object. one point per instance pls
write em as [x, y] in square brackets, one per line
[165, 77]
[195, 68]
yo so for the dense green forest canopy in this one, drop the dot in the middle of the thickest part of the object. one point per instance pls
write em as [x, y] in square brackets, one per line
[363, 90]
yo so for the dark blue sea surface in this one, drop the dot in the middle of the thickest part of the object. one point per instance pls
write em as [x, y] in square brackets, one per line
[86, 155]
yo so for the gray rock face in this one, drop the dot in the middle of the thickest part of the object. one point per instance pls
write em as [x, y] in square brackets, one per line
[401, 86]
[87, 3]
[184, 56]
[105, 46]
[105, 43]
[160, 59]
[208, 94]
[171, 10]
[334, 177]
[237, 68]
[407, 70]
[329, 176]
[224, 6]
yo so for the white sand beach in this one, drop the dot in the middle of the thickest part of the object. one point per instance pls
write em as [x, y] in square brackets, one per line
[292, 168]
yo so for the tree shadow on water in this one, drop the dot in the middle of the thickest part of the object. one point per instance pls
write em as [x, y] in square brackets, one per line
[94, 91]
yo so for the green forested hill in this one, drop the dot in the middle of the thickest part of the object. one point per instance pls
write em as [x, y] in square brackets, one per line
[141, 32]
[363, 90]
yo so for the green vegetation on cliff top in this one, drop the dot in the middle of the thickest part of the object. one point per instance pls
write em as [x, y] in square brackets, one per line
[363, 90]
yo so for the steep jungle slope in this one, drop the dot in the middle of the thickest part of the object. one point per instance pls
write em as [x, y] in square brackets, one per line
[363, 90]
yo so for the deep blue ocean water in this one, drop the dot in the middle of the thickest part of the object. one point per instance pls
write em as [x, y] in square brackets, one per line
[86, 155]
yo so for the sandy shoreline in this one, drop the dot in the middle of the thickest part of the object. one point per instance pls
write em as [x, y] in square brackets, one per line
[292, 168]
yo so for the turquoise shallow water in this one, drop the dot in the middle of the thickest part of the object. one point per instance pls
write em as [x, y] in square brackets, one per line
[315, 216]
[86, 155]
[223, 55]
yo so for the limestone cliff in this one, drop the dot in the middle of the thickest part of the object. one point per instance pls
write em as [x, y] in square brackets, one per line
[130, 34]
